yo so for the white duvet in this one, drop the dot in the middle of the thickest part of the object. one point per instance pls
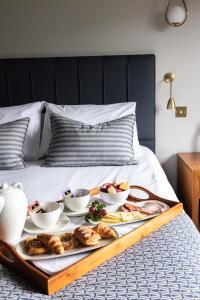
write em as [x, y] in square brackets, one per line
[46, 184]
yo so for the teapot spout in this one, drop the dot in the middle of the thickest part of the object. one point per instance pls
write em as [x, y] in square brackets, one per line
[2, 202]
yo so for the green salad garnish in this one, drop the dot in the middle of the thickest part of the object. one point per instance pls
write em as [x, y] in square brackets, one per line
[96, 211]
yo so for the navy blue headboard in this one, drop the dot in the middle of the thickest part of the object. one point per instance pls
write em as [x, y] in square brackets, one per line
[84, 80]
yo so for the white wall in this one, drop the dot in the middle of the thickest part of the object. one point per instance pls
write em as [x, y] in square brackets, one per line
[30, 28]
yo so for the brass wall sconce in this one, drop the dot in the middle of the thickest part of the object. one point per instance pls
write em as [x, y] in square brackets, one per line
[169, 78]
[180, 111]
[176, 15]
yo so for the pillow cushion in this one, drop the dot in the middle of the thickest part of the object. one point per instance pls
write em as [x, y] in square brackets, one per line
[76, 144]
[32, 111]
[12, 137]
[88, 114]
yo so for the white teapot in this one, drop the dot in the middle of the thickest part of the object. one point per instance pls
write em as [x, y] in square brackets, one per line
[13, 211]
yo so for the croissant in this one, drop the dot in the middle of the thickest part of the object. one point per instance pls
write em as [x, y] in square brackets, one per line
[87, 235]
[69, 241]
[104, 231]
[53, 242]
[34, 246]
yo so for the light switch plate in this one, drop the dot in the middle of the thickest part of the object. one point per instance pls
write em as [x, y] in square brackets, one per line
[181, 111]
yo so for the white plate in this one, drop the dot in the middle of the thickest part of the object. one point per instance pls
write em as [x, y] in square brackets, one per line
[79, 213]
[61, 225]
[115, 208]
[82, 249]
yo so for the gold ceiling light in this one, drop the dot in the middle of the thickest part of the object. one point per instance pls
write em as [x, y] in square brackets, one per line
[169, 78]
[176, 15]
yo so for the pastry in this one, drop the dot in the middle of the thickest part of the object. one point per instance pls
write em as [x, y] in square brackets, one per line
[34, 246]
[87, 235]
[69, 241]
[104, 231]
[53, 242]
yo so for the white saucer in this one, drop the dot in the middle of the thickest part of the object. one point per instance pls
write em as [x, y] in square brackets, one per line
[79, 213]
[61, 225]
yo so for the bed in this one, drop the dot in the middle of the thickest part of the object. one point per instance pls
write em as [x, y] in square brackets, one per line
[38, 181]
[165, 265]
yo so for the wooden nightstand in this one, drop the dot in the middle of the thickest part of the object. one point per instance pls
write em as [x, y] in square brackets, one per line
[188, 183]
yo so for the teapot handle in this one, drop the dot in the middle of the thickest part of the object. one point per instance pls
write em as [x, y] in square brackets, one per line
[18, 185]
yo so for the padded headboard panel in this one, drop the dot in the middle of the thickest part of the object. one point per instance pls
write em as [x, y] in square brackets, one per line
[84, 80]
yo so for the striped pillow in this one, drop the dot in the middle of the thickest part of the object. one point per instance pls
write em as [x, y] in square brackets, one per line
[12, 137]
[76, 144]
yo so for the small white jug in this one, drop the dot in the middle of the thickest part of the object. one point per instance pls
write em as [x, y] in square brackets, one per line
[13, 211]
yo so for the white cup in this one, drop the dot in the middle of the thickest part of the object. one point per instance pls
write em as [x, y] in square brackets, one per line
[50, 217]
[79, 201]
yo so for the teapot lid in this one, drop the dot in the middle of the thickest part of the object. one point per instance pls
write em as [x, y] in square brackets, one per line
[5, 187]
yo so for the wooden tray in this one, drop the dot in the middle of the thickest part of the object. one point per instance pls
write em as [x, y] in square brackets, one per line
[50, 284]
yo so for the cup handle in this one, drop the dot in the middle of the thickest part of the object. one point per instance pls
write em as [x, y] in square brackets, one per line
[61, 207]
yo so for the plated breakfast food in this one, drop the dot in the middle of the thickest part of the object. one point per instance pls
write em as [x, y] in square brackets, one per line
[148, 207]
[126, 213]
[84, 238]
[114, 193]
[113, 188]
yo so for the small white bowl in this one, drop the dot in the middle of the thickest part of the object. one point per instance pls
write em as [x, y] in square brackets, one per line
[50, 217]
[117, 198]
[79, 201]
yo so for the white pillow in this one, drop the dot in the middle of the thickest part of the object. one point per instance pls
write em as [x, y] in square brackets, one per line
[89, 114]
[32, 111]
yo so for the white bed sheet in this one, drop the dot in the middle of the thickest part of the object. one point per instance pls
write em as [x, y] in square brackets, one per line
[46, 184]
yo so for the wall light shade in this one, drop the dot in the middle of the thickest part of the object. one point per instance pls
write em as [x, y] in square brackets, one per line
[176, 15]
[171, 104]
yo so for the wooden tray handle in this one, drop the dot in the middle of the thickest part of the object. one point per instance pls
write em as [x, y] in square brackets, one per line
[8, 254]
[151, 196]
[11, 259]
